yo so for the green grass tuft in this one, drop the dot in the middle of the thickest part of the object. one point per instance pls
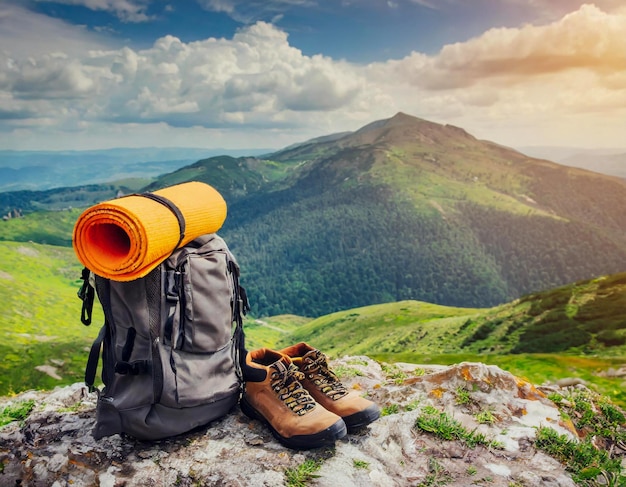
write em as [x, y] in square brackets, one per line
[443, 426]
[16, 412]
[602, 425]
[301, 475]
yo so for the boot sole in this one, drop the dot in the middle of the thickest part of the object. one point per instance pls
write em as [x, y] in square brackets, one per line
[362, 418]
[320, 439]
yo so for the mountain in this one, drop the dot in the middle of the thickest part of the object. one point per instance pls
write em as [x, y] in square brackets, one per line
[406, 209]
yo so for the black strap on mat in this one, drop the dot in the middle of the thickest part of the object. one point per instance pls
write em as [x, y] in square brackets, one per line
[172, 207]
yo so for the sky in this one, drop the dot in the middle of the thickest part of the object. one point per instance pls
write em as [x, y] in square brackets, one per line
[239, 74]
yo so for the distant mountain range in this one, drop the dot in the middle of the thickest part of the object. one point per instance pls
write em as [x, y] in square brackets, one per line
[42, 170]
[605, 161]
[402, 209]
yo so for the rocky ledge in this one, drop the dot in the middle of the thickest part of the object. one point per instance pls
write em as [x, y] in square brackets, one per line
[462, 425]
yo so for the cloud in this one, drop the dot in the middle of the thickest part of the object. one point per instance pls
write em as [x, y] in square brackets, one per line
[588, 39]
[257, 87]
[255, 78]
[552, 81]
[125, 10]
[24, 33]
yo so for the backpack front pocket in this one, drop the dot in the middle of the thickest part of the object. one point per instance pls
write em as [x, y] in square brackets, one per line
[200, 317]
[200, 378]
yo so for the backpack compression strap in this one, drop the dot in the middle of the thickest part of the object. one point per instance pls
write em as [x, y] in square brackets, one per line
[86, 294]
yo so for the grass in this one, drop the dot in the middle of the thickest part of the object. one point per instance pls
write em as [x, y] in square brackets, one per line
[268, 332]
[40, 317]
[16, 412]
[360, 464]
[437, 475]
[587, 318]
[301, 475]
[445, 427]
[485, 417]
[592, 460]
[49, 227]
[386, 328]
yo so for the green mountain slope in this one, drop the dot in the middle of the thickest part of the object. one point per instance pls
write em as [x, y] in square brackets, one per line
[234, 178]
[585, 317]
[44, 227]
[40, 318]
[68, 197]
[576, 331]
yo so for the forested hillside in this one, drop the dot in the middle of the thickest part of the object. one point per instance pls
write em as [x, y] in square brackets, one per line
[339, 250]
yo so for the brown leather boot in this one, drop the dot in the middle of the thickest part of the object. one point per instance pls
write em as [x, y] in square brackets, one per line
[273, 394]
[327, 390]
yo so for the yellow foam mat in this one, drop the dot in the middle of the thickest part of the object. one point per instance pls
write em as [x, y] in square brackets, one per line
[125, 238]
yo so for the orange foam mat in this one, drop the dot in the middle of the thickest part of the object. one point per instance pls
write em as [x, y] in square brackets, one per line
[125, 238]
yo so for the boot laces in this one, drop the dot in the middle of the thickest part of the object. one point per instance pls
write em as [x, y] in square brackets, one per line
[317, 370]
[286, 384]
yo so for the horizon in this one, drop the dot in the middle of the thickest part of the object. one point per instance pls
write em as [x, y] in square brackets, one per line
[235, 74]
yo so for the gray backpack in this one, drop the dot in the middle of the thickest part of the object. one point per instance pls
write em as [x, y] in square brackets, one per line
[171, 343]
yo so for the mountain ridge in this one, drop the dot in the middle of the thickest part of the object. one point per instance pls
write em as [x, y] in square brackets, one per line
[405, 208]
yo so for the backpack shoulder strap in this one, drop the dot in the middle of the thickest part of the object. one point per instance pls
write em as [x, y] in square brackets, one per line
[94, 358]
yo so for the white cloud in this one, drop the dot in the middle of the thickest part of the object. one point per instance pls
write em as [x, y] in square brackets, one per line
[125, 10]
[254, 79]
[587, 39]
[559, 65]
[24, 33]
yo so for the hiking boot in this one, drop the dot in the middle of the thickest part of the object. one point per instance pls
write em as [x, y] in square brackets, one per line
[327, 390]
[273, 394]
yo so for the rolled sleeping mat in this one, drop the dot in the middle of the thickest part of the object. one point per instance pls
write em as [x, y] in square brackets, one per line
[125, 238]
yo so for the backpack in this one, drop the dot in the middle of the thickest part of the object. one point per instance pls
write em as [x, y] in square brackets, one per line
[171, 343]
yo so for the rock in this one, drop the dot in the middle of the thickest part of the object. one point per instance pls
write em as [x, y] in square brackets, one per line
[54, 446]
[570, 381]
